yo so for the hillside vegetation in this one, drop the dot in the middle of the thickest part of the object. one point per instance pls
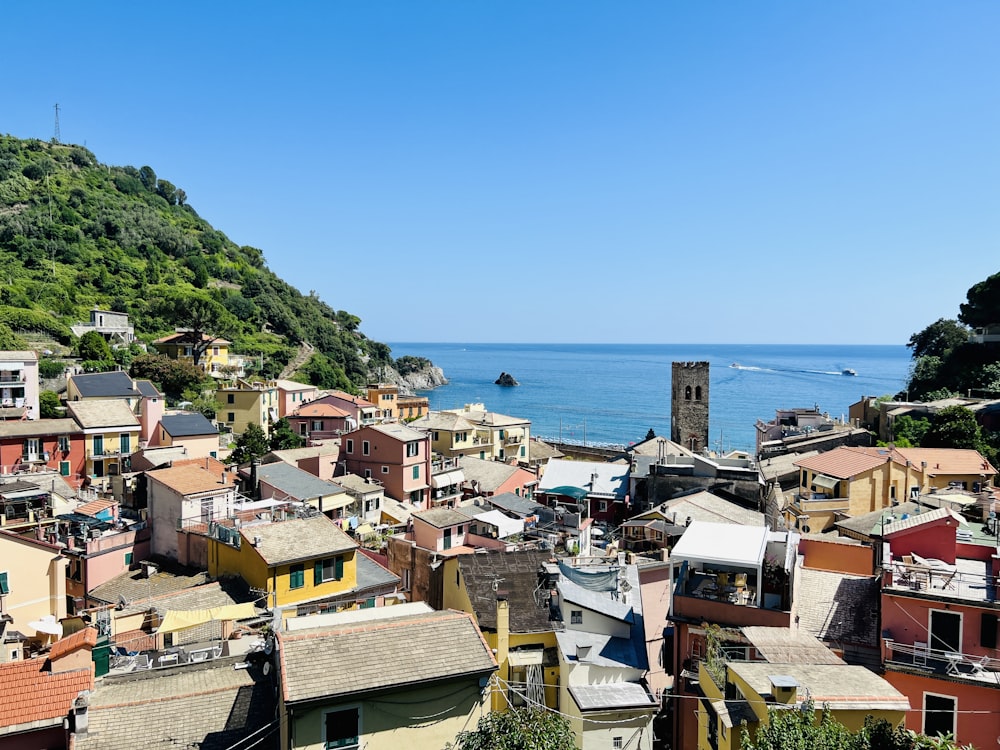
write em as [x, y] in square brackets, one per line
[75, 234]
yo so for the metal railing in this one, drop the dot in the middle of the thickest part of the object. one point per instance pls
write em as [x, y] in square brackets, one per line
[955, 663]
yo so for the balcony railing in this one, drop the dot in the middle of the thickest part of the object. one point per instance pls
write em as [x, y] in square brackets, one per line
[104, 453]
[12, 380]
[980, 667]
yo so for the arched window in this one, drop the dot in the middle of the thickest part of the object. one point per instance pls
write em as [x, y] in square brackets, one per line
[697, 393]
[687, 393]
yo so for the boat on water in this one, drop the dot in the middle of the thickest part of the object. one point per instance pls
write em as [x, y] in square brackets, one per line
[848, 371]
[736, 365]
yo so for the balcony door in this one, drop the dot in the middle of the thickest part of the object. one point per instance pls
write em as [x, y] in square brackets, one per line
[946, 630]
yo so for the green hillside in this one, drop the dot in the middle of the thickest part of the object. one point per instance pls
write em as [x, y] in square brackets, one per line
[75, 233]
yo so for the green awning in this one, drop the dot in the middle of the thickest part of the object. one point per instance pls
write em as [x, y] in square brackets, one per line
[577, 493]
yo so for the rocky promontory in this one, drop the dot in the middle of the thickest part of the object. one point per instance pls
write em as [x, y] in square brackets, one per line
[506, 379]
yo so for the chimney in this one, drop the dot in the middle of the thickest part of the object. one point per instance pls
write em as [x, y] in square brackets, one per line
[582, 652]
[784, 688]
[503, 634]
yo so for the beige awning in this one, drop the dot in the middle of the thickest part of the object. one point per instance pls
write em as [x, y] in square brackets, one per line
[181, 619]
[822, 480]
[447, 479]
[525, 658]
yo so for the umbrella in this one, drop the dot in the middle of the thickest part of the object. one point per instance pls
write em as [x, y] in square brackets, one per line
[47, 624]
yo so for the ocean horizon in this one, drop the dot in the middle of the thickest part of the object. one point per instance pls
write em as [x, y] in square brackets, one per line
[612, 394]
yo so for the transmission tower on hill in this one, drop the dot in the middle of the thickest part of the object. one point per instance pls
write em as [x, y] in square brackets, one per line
[56, 136]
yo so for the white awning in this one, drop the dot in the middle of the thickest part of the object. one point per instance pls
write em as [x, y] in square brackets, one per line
[525, 658]
[447, 479]
[822, 480]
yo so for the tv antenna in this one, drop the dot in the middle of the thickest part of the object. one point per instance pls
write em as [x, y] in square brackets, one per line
[56, 137]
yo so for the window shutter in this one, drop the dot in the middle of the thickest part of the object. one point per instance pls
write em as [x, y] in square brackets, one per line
[988, 630]
[318, 573]
[339, 568]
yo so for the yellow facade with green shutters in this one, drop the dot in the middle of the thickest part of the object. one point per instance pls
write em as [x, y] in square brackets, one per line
[295, 581]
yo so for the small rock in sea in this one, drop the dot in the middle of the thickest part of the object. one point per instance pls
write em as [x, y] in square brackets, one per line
[506, 379]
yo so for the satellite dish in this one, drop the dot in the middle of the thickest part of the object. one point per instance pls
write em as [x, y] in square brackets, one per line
[267, 668]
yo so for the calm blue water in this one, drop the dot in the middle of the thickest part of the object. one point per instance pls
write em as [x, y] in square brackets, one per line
[613, 393]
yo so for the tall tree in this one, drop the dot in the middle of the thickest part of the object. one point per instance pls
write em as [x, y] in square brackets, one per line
[938, 339]
[955, 427]
[250, 445]
[982, 305]
[93, 347]
[202, 316]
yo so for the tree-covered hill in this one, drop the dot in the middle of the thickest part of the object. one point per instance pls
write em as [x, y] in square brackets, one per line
[75, 234]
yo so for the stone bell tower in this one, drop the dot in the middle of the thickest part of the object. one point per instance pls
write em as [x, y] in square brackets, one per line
[689, 405]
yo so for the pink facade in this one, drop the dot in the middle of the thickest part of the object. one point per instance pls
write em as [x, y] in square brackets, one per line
[439, 540]
[292, 395]
[395, 455]
[96, 561]
[150, 413]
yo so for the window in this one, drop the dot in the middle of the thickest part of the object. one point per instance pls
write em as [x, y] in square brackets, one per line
[417, 497]
[412, 449]
[366, 448]
[4, 584]
[367, 603]
[231, 417]
[385, 469]
[350, 446]
[123, 443]
[340, 729]
[602, 506]
[64, 443]
[416, 471]
[215, 351]
[317, 425]
[64, 468]
[128, 558]
[98, 445]
[447, 538]
[687, 393]
[576, 617]
[330, 569]
[697, 393]
[230, 398]
[616, 743]
[368, 473]
[939, 714]
[522, 452]
[296, 577]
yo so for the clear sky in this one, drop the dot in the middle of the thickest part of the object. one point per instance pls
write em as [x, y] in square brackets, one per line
[504, 170]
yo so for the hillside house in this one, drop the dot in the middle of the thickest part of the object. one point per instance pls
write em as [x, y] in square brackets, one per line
[19, 385]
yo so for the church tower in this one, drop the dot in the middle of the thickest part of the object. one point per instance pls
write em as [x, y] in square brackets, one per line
[689, 405]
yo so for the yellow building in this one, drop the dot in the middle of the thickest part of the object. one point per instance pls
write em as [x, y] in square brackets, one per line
[248, 403]
[32, 587]
[296, 561]
[503, 438]
[384, 396]
[850, 481]
[111, 434]
[499, 588]
[181, 346]
[753, 688]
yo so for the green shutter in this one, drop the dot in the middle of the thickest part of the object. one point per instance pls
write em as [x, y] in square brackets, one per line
[318, 573]
[128, 558]
[339, 568]
[296, 577]
[4, 586]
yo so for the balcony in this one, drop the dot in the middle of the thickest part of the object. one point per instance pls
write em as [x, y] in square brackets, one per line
[103, 453]
[12, 379]
[513, 440]
[919, 658]
[966, 579]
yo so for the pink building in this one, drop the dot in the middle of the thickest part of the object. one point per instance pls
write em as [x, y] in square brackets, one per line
[292, 395]
[319, 421]
[397, 456]
[939, 623]
[362, 411]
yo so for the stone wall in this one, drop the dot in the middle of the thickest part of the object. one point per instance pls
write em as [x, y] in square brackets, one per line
[689, 401]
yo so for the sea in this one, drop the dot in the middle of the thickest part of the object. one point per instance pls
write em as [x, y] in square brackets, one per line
[613, 394]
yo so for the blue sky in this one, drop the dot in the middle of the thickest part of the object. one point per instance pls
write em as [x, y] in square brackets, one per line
[675, 172]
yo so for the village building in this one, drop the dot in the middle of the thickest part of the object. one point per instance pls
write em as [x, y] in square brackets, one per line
[19, 385]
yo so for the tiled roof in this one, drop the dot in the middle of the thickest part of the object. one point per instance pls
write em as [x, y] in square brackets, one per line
[836, 607]
[133, 585]
[399, 431]
[109, 412]
[843, 686]
[30, 694]
[219, 593]
[441, 518]
[706, 506]
[84, 637]
[487, 474]
[519, 571]
[190, 479]
[442, 420]
[187, 425]
[95, 506]
[184, 337]
[511, 503]
[356, 400]
[297, 539]
[921, 519]
[948, 460]
[211, 706]
[39, 428]
[11, 355]
[339, 661]
[291, 385]
[320, 410]
[359, 485]
[539, 451]
[787, 645]
[843, 462]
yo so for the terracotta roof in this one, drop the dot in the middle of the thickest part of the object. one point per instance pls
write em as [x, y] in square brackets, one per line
[320, 410]
[85, 637]
[843, 463]
[95, 506]
[950, 460]
[29, 694]
[190, 480]
[187, 337]
[209, 464]
[356, 400]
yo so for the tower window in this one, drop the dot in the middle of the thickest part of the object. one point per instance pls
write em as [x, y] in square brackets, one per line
[687, 393]
[697, 393]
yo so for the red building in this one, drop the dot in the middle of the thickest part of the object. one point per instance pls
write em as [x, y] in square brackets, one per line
[31, 445]
[939, 620]
[397, 456]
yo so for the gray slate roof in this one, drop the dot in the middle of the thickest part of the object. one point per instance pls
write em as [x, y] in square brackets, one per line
[297, 539]
[787, 645]
[389, 653]
[39, 428]
[605, 650]
[611, 696]
[105, 385]
[187, 425]
[296, 483]
[441, 518]
[838, 607]
[132, 585]
[514, 504]
[487, 474]
[519, 571]
[371, 575]
[210, 706]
